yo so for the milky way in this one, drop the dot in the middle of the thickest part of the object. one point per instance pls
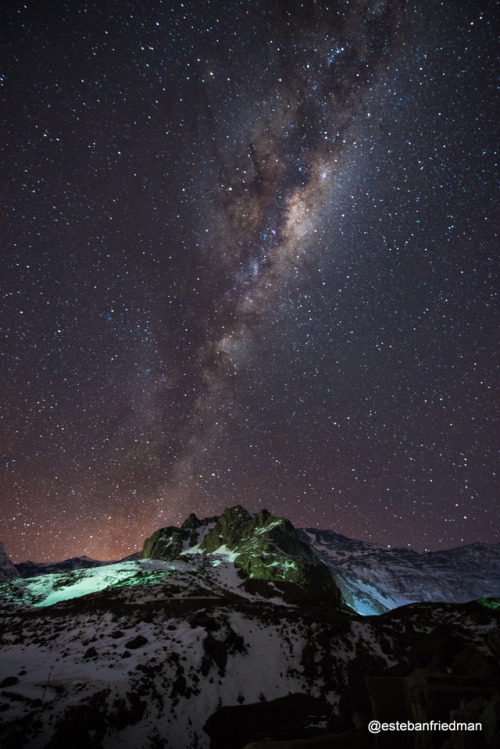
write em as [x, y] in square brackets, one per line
[273, 194]
[250, 256]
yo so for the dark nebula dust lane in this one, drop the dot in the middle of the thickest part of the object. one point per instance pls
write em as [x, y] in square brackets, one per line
[249, 258]
[275, 186]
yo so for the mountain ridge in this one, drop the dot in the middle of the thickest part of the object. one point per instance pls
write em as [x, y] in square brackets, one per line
[273, 557]
[374, 579]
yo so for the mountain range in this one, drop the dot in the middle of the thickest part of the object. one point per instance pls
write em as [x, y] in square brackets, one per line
[239, 630]
[374, 579]
[371, 579]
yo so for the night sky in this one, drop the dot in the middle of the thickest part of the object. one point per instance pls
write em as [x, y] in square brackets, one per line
[249, 256]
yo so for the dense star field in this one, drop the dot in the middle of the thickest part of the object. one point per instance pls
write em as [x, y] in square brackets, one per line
[249, 255]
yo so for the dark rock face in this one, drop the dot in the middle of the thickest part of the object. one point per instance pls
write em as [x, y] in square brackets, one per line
[229, 529]
[168, 543]
[82, 726]
[7, 569]
[191, 522]
[9, 681]
[238, 530]
[286, 717]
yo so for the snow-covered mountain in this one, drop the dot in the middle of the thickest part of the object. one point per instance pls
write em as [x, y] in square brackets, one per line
[226, 631]
[34, 569]
[275, 558]
[374, 579]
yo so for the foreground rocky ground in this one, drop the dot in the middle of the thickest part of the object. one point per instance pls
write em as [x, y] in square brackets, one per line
[143, 666]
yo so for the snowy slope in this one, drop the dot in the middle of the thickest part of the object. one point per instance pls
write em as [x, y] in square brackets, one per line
[147, 665]
[33, 569]
[183, 668]
[48, 589]
[374, 579]
[213, 576]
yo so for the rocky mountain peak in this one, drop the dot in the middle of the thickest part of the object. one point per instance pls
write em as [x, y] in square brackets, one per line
[229, 529]
[7, 569]
[191, 522]
[264, 548]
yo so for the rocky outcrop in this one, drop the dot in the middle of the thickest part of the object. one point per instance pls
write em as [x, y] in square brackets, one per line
[7, 569]
[238, 529]
[287, 717]
[264, 547]
[170, 542]
[165, 543]
[230, 529]
[268, 548]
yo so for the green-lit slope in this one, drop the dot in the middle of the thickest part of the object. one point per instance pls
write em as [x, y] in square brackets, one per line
[46, 590]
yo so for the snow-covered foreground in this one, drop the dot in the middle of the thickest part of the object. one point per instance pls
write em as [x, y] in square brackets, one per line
[150, 678]
[148, 663]
[155, 675]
